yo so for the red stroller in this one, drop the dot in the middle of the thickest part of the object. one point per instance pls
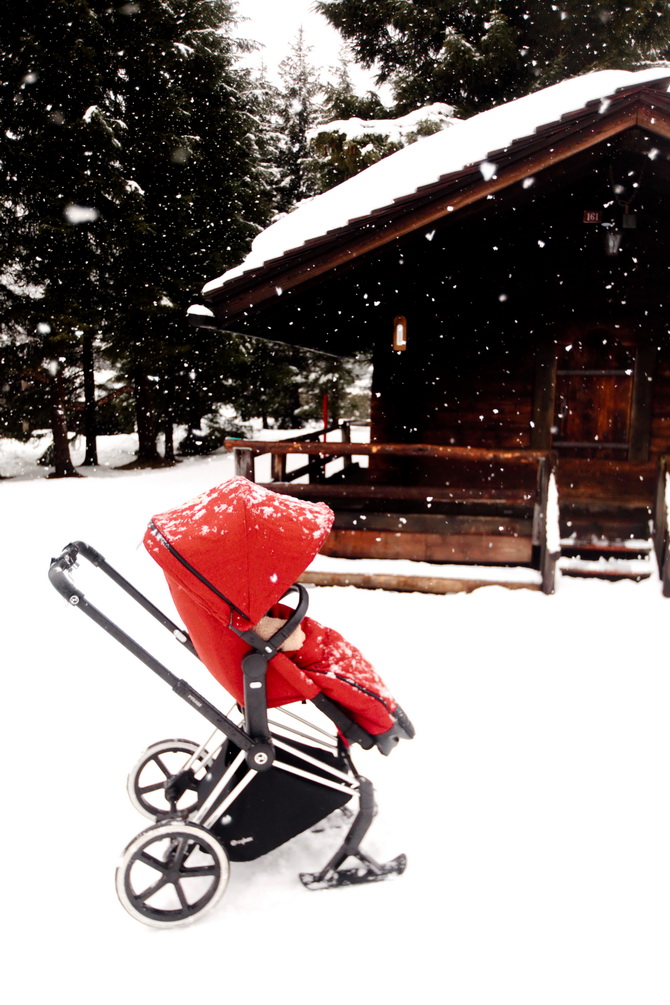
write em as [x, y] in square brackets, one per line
[230, 557]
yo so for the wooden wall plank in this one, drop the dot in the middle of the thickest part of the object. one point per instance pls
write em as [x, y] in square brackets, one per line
[422, 523]
[479, 548]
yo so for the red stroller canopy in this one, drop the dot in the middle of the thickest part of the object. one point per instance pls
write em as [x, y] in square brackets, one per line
[249, 543]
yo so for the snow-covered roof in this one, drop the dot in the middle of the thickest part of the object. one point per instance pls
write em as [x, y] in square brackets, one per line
[398, 130]
[464, 144]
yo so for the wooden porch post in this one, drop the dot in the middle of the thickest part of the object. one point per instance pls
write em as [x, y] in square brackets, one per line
[662, 527]
[548, 556]
[543, 402]
[245, 463]
[640, 412]
[345, 427]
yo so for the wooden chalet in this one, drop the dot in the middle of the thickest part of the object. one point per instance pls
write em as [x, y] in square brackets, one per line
[516, 304]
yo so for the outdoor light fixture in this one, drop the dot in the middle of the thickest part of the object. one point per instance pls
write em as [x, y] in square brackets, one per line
[400, 333]
[613, 241]
[625, 192]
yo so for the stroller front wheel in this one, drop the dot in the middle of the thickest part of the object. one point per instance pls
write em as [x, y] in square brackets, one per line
[171, 873]
[159, 785]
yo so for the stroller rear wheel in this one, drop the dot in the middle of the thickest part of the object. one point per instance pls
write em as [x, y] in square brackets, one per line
[170, 873]
[159, 786]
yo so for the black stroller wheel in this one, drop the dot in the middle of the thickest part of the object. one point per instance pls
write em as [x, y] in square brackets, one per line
[171, 873]
[159, 786]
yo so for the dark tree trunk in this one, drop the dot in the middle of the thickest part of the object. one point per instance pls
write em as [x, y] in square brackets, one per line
[90, 431]
[63, 467]
[168, 416]
[168, 428]
[147, 451]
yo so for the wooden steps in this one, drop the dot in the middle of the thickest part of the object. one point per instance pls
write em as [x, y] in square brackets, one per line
[603, 540]
[604, 559]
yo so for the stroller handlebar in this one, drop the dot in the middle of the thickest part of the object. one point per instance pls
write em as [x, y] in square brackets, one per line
[59, 576]
[65, 563]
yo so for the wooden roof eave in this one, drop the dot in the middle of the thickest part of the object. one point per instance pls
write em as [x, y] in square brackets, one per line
[650, 111]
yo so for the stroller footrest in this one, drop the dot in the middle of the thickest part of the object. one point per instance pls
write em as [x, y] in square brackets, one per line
[402, 729]
[366, 872]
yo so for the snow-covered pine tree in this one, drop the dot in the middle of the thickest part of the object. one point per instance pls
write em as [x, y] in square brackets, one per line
[299, 109]
[357, 131]
[340, 100]
[130, 175]
[59, 181]
[189, 151]
[336, 154]
[477, 54]
[265, 107]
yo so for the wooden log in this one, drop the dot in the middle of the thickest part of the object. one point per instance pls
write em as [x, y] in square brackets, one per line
[392, 449]
[378, 496]
[458, 548]
[438, 523]
[407, 584]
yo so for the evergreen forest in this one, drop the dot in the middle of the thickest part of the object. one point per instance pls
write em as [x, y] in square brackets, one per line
[141, 151]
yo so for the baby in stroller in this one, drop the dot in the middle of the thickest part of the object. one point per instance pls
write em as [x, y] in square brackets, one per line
[231, 558]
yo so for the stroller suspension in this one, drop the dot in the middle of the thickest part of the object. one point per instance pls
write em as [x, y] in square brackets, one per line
[368, 871]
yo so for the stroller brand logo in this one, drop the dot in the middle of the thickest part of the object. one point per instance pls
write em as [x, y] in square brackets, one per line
[246, 840]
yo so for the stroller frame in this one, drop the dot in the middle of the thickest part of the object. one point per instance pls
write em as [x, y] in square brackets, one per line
[191, 841]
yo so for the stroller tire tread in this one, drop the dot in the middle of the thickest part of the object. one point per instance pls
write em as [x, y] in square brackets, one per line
[146, 781]
[160, 865]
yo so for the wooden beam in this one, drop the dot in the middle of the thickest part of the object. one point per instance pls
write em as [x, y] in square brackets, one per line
[438, 523]
[459, 548]
[381, 496]
[407, 584]
[391, 449]
[653, 120]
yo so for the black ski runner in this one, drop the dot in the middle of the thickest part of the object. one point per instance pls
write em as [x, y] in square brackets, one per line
[365, 873]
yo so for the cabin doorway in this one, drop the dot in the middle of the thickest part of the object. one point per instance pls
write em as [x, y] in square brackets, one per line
[593, 396]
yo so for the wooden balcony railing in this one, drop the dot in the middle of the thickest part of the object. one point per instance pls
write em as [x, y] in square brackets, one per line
[246, 452]
[535, 493]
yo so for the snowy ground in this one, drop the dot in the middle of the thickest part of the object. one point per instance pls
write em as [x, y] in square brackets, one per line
[533, 804]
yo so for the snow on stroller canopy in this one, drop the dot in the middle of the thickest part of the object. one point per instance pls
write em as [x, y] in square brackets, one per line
[250, 543]
[461, 145]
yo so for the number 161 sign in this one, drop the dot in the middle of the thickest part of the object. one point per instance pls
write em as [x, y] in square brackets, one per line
[592, 216]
